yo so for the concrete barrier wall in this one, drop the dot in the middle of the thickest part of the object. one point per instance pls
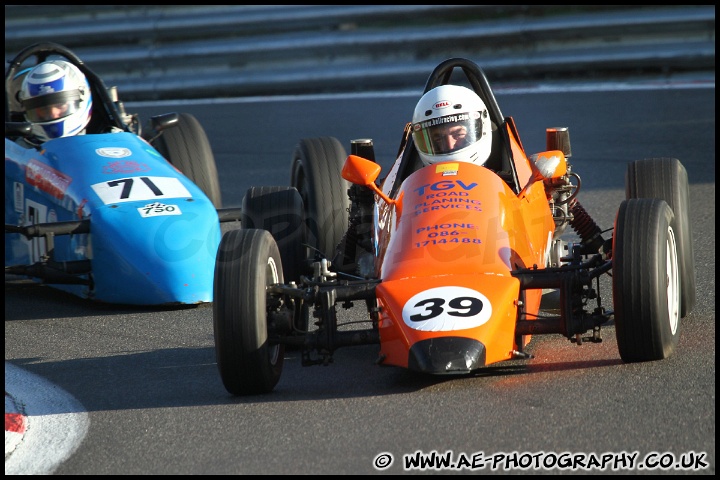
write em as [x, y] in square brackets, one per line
[157, 52]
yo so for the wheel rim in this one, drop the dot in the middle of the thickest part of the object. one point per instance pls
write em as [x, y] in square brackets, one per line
[271, 278]
[672, 282]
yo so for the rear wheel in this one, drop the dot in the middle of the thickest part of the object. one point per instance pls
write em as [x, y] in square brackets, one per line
[247, 261]
[279, 210]
[316, 172]
[646, 280]
[666, 178]
[187, 147]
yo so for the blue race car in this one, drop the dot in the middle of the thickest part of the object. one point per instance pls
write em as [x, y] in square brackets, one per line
[116, 215]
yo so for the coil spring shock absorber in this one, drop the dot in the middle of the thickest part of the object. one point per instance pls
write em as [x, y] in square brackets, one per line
[345, 251]
[589, 232]
[360, 213]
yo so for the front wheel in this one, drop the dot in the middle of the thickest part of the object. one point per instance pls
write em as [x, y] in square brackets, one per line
[247, 261]
[646, 280]
[316, 172]
[279, 210]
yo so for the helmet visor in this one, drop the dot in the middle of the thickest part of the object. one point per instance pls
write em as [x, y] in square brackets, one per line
[54, 106]
[448, 133]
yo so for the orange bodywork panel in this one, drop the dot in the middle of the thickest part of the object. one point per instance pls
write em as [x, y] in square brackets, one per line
[522, 165]
[478, 307]
[446, 248]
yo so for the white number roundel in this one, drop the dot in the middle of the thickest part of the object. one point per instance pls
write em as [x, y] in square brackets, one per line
[444, 309]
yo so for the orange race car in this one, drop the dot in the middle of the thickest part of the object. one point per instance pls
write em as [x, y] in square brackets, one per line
[450, 257]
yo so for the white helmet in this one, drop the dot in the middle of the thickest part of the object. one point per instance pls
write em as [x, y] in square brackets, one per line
[56, 96]
[451, 123]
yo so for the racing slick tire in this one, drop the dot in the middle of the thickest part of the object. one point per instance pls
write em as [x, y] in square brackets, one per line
[646, 280]
[247, 261]
[316, 172]
[187, 147]
[666, 178]
[279, 210]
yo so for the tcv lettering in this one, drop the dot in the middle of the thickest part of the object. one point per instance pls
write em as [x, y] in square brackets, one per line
[445, 185]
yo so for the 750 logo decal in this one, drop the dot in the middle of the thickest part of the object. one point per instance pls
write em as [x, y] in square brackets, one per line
[158, 209]
[445, 309]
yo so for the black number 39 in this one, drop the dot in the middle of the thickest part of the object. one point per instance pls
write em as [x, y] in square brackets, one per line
[457, 307]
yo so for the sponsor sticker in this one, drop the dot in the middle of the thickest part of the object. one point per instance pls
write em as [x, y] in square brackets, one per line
[125, 166]
[446, 169]
[19, 197]
[158, 209]
[113, 152]
[47, 178]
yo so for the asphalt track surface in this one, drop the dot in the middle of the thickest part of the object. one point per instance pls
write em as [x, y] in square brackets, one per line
[44, 425]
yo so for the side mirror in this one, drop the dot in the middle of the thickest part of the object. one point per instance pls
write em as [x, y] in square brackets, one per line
[161, 122]
[360, 171]
[364, 172]
[164, 121]
[551, 165]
